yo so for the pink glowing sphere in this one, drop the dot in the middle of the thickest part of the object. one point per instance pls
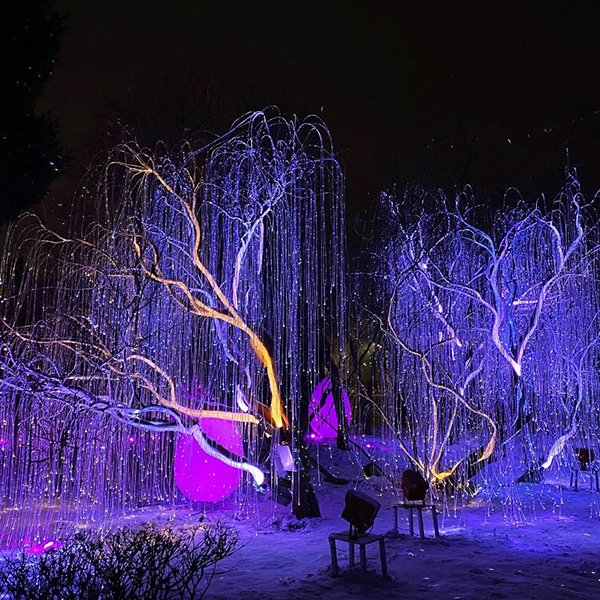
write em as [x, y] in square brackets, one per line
[202, 477]
[321, 410]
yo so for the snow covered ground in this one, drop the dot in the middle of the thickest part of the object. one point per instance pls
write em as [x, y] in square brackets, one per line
[548, 550]
[545, 547]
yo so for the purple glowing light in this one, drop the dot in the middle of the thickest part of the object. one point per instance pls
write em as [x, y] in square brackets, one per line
[204, 478]
[321, 411]
[37, 548]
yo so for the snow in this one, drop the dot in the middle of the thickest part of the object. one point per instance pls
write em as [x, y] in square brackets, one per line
[547, 546]
[548, 549]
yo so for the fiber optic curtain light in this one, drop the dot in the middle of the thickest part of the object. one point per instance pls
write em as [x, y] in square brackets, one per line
[195, 297]
[492, 335]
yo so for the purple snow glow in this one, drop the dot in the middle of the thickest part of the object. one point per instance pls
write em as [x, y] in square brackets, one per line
[204, 478]
[321, 411]
[37, 548]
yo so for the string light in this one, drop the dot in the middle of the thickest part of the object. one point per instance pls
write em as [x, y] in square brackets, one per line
[491, 336]
[201, 285]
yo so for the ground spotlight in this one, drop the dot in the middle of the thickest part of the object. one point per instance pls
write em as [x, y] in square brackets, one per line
[414, 486]
[360, 511]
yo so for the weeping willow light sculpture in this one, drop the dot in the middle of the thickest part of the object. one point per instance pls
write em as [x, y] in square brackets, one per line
[492, 333]
[202, 286]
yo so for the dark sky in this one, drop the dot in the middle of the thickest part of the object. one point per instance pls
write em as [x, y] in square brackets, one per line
[491, 93]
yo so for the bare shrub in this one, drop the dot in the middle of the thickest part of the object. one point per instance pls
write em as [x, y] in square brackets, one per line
[125, 564]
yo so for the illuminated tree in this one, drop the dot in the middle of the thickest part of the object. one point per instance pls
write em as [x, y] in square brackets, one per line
[491, 324]
[202, 289]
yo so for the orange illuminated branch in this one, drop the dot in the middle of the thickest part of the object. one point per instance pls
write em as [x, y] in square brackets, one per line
[458, 397]
[200, 308]
[172, 403]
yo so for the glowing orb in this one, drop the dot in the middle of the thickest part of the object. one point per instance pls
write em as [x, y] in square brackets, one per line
[202, 477]
[321, 410]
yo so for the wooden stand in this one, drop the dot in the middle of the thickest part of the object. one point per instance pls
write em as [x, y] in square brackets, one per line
[585, 460]
[362, 542]
[419, 509]
[593, 477]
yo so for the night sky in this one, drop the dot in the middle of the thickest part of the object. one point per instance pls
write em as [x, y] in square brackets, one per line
[447, 92]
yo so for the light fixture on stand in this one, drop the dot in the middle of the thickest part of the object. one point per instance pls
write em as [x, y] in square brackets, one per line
[360, 511]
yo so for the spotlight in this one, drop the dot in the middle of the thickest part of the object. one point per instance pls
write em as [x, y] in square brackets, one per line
[585, 456]
[285, 456]
[414, 487]
[360, 511]
[372, 469]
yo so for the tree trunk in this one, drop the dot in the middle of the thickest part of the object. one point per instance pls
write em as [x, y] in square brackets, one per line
[304, 502]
